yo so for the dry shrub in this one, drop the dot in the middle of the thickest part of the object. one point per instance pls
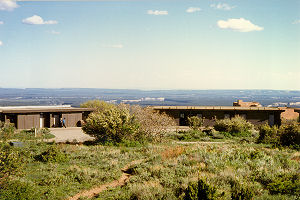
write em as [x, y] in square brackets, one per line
[296, 156]
[173, 152]
[153, 124]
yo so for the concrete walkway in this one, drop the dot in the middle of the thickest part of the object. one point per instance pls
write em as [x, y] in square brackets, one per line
[69, 134]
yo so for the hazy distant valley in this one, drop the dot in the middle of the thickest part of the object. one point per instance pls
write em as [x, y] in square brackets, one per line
[75, 96]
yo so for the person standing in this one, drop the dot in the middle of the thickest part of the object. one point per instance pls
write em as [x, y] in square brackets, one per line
[64, 123]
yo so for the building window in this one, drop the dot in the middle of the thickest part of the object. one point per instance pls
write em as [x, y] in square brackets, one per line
[227, 116]
[181, 115]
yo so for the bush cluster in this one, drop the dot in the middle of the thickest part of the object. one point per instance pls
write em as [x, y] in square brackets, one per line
[10, 160]
[17, 190]
[112, 125]
[195, 122]
[285, 135]
[285, 184]
[268, 134]
[7, 130]
[152, 124]
[290, 135]
[234, 125]
[200, 190]
[52, 154]
[98, 105]
[241, 192]
[119, 123]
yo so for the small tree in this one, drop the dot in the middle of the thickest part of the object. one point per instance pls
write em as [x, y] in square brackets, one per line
[114, 124]
[98, 105]
[195, 122]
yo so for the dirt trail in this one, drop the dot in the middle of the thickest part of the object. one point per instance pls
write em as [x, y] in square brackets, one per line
[120, 182]
[200, 142]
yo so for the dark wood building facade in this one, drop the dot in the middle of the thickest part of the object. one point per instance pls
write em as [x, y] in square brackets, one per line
[255, 115]
[298, 111]
[43, 116]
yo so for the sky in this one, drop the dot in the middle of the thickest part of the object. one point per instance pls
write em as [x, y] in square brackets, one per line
[143, 44]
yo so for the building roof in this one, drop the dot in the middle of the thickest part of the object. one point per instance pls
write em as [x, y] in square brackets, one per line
[41, 109]
[214, 108]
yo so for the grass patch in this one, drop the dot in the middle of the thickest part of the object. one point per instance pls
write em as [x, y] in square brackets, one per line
[231, 169]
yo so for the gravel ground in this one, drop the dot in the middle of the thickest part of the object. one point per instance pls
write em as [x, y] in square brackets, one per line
[69, 134]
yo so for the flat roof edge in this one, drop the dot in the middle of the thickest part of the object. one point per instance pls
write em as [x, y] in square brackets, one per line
[39, 110]
[214, 108]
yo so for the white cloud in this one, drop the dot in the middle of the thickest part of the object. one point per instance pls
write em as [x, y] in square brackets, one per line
[241, 25]
[222, 6]
[117, 46]
[37, 20]
[1, 22]
[157, 12]
[296, 22]
[8, 5]
[193, 9]
[1, 43]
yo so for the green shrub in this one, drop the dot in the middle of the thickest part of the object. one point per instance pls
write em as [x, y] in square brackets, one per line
[285, 184]
[195, 122]
[10, 160]
[7, 130]
[241, 192]
[52, 154]
[234, 125]
[268, 134]
[200, 190]
[114, 124]
[290, 135]
[286, 135]
[190, 135]
[17, 190]
[98, 105]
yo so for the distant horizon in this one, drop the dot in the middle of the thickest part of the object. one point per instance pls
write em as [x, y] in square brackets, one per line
[148, 89]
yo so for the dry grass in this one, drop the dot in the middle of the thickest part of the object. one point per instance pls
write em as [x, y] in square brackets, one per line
[173, 152]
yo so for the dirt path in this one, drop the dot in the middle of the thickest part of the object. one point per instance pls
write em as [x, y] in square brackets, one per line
[120, 182]
[69, 134]
[200, 142]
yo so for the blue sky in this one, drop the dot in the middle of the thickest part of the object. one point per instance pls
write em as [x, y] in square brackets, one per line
[197, 44]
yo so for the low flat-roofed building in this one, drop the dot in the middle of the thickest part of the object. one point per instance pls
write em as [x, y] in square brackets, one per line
[298, 111]
[255, 115]
[289, 113]
[242, 103]
[27, 117]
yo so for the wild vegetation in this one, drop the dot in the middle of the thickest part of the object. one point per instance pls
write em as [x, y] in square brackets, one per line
[201, 163]
[285, 135]
[119, 123]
